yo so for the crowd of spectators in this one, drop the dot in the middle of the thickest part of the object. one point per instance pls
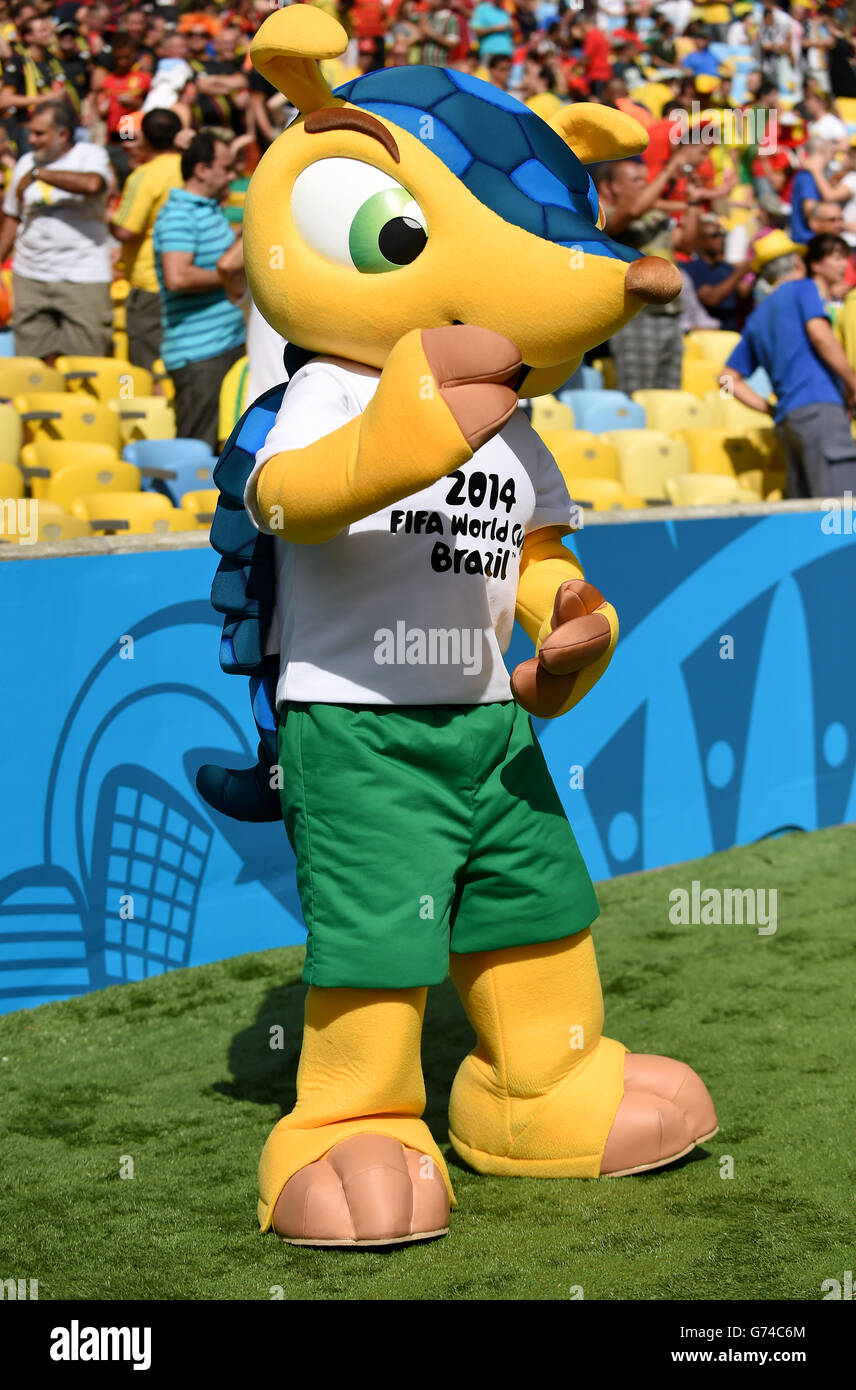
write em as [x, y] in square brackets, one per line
[128, 133]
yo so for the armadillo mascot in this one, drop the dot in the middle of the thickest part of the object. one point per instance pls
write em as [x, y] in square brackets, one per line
[432, 250]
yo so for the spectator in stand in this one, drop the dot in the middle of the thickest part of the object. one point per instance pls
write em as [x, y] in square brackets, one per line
[440, 33]
[492, 27]
[648, 352]
[595, 45]
[171, 84]
[722, 288]
[825, 217]
[627, 67]
[368, 21]
[143, 196]
[121, 92]
[823, 124]
[842, 56]
[31, 75]
[701, 61]
[404, 36]
[203, 330]
[76, 63]
[806, 189]
[773, 43]
[660, 43]
[222, 86]
[790, 336]
[54, 215]
[499, 71]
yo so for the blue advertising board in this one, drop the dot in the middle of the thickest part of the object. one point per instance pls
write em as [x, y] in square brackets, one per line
[727, 715]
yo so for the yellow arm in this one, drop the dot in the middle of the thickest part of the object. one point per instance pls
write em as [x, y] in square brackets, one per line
[405, 439]
[545, 565]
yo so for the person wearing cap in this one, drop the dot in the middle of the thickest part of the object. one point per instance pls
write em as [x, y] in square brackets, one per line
[701, 60]
[721, 287]
[791, 337]
[76, 61]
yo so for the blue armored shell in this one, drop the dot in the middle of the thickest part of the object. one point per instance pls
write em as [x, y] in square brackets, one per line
[506, 155]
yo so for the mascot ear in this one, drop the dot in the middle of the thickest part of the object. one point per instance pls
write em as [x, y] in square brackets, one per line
[596, 133]
[285, 50]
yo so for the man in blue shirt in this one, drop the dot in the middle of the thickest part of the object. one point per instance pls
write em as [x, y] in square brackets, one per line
[198, 266]
[719, 285]
[702, 60]
[492, 27]
[804, 193]
[790, 336]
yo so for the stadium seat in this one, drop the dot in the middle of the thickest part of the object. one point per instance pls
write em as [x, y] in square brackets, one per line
[20, 375]
[83, 479]
[12, 481]
[699, 375]
[699, 490]
[846, 107]
[7, 343]
[550, 414]
[585, 378]
[144, 417]
[579, 453]
[105, 377]
[133, 513]
[52, 524]
[737, 418]
[602, 494]
[711, 344]
[163, 379]
[66, 415]
[41, 462]
[606, 367]
[172, 467]
[717, 451]
[233, 397]
[599, 411]
[201, 505]
[10, 434]
[673, 410]
[646, 458]
[653, 96]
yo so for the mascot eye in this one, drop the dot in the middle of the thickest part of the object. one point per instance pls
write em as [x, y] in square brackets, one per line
[357, 216]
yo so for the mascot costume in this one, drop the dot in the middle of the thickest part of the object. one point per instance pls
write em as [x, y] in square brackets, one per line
[431, 249]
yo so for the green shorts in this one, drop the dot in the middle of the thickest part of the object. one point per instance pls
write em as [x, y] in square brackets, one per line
[421, 830]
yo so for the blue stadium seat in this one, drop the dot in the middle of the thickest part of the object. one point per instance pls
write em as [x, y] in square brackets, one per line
[585, 378]
[599, 411]
[172, 466]
[7, 343]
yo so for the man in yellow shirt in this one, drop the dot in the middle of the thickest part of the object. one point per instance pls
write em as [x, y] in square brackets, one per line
[144, 194]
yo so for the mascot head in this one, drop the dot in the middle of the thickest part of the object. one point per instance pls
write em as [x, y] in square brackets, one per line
[415, 197]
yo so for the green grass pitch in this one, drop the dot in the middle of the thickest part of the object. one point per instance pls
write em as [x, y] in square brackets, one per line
[177, 1072]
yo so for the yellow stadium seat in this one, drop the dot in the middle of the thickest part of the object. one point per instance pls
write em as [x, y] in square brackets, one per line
[47, 522]
[846, 108]
[67, 415]
[201, 505]
[105, 377]
[581, 453]
[767, 483]
[81, 479]
[133, 513]
[163, 379]
[700, 490]
[12, 483]
[606, 367]
[717, 451]
[550, 414]
[737, 418]
[673, 410]
[713, 344]
[10, 434]
[20, 375]
[41, 462]
[602, 494]
[144, 417]
[233, 397]
[699, 375]
[646, 458]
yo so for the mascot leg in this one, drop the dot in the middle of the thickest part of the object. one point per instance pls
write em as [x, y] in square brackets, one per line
[354, 1163]
[544, 1094]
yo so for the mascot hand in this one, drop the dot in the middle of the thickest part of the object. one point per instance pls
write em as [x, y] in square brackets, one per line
[573, 652]
[473, 370]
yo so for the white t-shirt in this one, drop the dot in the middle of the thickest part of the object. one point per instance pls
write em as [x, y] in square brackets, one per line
[62, 236]
[171, 77]
[828, 127]
[413, 605]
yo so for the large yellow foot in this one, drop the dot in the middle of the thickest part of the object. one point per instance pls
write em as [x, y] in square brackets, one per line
[665, 1111]
[368, 1190]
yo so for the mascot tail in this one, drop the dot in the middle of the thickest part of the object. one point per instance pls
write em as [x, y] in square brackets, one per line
[243, 591]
